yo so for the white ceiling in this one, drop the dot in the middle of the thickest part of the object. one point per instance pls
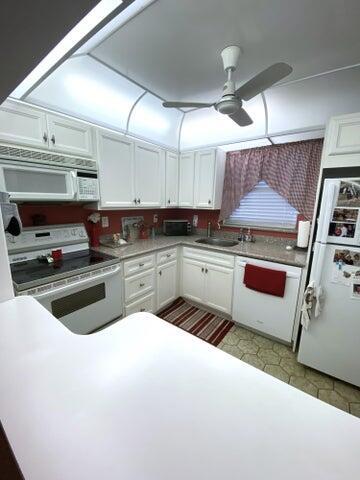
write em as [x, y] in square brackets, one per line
[172, 49]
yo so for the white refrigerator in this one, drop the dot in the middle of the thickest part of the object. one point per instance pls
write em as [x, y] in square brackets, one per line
[331, 343]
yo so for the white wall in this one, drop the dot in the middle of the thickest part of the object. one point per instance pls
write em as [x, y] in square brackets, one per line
[6, 289]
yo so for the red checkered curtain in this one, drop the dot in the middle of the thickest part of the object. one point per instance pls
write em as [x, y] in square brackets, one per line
[291, 169]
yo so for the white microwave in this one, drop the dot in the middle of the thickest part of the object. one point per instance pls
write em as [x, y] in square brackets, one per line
[35, 183]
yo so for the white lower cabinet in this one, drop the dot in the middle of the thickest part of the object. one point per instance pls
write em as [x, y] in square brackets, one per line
[219, 287]
[206, 282]
[166, 284]
[151, 281]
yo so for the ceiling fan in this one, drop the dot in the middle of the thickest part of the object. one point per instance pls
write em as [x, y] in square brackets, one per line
[231, 101]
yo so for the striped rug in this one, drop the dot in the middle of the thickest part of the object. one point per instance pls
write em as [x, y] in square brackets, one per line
[207, 326]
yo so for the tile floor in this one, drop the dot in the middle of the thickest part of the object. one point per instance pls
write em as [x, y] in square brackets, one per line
[278, 360]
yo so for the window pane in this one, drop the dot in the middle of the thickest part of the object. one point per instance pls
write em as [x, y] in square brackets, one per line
[263, 207]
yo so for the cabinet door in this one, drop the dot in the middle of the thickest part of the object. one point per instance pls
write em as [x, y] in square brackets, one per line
[149, 175]
[219, 287]
[172, 180]
[22, 125]
[166, 284]
[344, 135]
[186, 179]
[69, 136]
[204, 179]
[193, 280]
[116, 170]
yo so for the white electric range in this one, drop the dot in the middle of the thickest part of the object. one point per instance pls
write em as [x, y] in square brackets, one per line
[83, 289]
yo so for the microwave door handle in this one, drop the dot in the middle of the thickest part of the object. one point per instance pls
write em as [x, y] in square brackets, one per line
[74, 183]
[76, 284]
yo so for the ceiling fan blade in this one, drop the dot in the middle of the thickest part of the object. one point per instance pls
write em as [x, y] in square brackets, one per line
[263, 80]
[241, 118]
[186, 105]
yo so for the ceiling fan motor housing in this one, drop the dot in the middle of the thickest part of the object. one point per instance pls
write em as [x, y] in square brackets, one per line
[228, 104]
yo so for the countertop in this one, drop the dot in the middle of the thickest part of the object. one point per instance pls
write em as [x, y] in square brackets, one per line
[273, 251]
[144, 400]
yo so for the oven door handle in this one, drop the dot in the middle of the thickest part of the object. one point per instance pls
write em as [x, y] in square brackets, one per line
[77, 284]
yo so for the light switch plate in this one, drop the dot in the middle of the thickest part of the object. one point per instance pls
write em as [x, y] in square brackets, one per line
[155, 218]
[105, 222]
[195, 220]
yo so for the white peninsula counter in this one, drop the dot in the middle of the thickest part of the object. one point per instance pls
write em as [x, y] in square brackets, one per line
[143, 400]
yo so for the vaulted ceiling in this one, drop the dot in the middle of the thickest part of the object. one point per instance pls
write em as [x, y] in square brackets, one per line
[167, 49]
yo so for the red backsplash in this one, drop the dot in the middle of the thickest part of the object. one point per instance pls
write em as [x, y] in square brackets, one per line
[58, 214]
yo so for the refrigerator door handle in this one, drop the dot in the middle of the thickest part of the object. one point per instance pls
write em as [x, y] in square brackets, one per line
[327, 206]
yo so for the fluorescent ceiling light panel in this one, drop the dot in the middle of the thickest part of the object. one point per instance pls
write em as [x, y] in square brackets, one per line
[85, 26]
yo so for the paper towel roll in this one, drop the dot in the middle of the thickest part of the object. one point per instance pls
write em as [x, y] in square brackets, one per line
[303, 234]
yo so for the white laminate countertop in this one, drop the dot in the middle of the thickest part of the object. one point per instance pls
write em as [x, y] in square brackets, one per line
[273, 251]
[143, 400]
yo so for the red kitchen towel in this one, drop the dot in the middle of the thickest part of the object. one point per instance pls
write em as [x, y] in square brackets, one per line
[265, 280]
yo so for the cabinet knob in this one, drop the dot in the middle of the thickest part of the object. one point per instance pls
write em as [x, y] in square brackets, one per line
[160, 273]
[169, 201]
[141, 264]
[138, 200]
[53, 139]
[45, 137]
[202, 269]
[206, 270]
[168, 255]
[142, 285]
[142, 309]
[209, 201]
[135, 201]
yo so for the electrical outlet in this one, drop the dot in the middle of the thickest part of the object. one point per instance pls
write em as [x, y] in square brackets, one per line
[195, 220]
[155, 218]
[105, 222]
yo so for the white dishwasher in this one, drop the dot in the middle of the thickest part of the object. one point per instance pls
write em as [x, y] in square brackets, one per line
[266, 313]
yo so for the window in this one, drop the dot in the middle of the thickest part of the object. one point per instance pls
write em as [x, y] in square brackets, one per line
[263, 207]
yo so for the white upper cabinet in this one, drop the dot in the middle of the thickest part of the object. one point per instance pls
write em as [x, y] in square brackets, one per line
[204, 178]
[149, 175]
[342, 142]
[344, 135]
[116, 170]
[186, 179]
[172, 180]
[21, 125]
[201, 179]
[69, 136]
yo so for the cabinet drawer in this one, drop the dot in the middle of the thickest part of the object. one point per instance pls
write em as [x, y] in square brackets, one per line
[138, 264]
[139, 285]
[207, 256]
[166, 256]
[145, 304]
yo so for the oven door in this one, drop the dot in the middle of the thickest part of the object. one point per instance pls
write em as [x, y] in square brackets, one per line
[88, 304]
[36, 183]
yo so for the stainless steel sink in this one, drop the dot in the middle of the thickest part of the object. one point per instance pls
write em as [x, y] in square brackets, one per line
[220, 242]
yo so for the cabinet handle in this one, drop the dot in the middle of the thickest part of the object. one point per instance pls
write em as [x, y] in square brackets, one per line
[168, 255]
[45, 137]
[135, 201]
[206, 270]
[202, 269]
[142, 285]
[142, 309]
[209, 201]
[53, 139]
[138, 200]
[141, 264]
[169, 201]
[160, 273]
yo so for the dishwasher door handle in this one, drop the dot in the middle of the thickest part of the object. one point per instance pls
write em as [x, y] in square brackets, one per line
[288, 274]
